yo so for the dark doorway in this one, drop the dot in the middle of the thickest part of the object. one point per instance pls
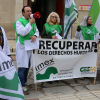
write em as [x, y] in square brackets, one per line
[45, 7]
[59, 9]
[39, 5]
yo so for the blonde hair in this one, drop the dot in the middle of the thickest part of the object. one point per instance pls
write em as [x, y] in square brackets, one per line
[58, 18]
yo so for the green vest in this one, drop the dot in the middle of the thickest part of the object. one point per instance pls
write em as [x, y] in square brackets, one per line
[89, 32]
[51, 30]
[24, 22]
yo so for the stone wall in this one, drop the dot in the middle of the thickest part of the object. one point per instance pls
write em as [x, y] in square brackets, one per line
[25, 2]
[7, 14]
[10, 11]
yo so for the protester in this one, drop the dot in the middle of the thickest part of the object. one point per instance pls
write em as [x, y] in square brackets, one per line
[51, 27]
[26, 29]
[4, 43]
[86, 30]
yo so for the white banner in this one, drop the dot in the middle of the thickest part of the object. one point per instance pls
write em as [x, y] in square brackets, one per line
[64, 59]
[10, 87]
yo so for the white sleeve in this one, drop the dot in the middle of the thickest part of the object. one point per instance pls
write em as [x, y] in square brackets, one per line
[21, 30]
[77, 35]
[6, 43]
[37, 32]
[97, 36]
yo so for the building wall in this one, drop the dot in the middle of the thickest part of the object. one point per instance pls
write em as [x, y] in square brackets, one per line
[25, 2]
[10, 11]
[7, 14]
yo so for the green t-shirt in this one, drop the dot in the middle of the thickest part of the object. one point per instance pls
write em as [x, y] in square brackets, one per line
[89, 32]
[51, 30]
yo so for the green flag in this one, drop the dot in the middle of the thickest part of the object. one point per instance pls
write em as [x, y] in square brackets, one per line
[70, 16]
[95, 14]
[10, 87]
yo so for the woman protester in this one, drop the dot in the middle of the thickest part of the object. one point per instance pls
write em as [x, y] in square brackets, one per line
[86, 30]
[51, 27]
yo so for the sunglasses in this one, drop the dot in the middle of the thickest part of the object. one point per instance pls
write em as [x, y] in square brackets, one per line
[53, 16]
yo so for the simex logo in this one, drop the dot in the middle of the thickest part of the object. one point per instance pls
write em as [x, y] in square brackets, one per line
[88, 69]
[46, 63]
[6, 66]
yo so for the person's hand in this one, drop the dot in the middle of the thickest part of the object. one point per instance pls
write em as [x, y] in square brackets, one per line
[31, 21]
[54, 37]
[78, 28]
[33, 38]
[11, 58]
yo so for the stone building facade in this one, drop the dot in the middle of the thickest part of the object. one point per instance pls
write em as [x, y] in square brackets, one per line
[10, 11]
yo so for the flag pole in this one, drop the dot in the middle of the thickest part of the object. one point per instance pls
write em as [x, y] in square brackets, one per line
[96, 63]
[36, 87]
[76, 18]
[71, 32]
[63, 18]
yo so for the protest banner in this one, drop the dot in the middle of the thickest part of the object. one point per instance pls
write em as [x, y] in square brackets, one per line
[65, 59]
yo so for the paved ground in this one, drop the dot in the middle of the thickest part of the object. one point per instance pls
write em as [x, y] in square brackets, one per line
[71, 89]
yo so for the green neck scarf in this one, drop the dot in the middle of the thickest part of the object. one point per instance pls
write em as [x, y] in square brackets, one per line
[51, 30]
[89, 32]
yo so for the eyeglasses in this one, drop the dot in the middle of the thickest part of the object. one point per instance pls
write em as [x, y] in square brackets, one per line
[53, 16]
